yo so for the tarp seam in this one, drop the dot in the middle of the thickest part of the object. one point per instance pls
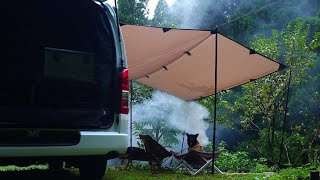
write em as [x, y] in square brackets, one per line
[163, 52]
[176, 58]
[268, 73]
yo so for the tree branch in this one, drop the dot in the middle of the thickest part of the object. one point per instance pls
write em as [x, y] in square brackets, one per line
[287, 152]
[305, 149]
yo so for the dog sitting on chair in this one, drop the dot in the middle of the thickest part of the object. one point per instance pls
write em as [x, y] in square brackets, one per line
[193, 143]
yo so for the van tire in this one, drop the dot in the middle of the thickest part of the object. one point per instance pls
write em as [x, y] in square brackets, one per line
[56, 165]
[93, 167]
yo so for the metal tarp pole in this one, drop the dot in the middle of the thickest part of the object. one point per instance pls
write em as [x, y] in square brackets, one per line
[131, 105]
[215, 101]
[284, 119]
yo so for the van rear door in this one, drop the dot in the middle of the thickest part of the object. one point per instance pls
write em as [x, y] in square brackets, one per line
[58, 66]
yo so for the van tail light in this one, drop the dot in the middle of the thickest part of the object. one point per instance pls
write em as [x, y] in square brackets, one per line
[125, 91]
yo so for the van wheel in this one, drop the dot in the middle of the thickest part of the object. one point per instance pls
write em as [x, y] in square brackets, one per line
[56, 165]
[93, 167]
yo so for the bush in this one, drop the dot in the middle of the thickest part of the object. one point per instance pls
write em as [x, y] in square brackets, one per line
[240, 162]
[233, 162]
[260, 168]
[292, 174]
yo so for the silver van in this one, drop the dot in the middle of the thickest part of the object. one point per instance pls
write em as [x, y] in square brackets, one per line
[63, 85]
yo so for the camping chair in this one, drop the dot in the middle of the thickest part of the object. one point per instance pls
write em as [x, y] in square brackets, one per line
[158, 153]
[135, 153]
[153, 152]
[195, 161]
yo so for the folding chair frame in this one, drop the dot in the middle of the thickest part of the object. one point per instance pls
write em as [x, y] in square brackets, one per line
[158, 152]
[194, 171]
[206, 158]
[153, 152]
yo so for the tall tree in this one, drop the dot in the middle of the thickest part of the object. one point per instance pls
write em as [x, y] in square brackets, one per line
[161, 14]
[202, 15]
[262, 103]
[133, 11]
[262, 21]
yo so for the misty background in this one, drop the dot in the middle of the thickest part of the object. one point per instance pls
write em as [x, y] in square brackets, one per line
[250, 117]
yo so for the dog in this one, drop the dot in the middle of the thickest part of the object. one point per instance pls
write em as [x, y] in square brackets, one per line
[193, 143]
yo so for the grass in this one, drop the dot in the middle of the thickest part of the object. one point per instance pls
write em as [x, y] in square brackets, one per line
[36, 172]
[117, 174]
[41, 172]
[15, 168]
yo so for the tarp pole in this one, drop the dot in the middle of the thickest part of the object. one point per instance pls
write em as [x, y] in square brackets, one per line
[215, 101]
[284, 119]
[131, 105]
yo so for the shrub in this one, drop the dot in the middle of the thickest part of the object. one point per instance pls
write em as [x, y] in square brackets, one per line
[240, 162]
[260, 168]
[292, 174]
[233, 162]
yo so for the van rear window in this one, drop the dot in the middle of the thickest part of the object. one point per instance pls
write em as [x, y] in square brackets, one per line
[69, 65]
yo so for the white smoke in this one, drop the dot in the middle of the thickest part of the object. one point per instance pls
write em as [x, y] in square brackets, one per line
[193, 14]
[179, 114]
[186, 15]
[190, 116]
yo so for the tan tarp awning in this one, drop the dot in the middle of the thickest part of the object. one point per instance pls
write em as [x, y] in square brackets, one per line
[182, 62]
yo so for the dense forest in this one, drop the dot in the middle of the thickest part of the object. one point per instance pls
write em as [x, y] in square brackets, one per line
[287, 31]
